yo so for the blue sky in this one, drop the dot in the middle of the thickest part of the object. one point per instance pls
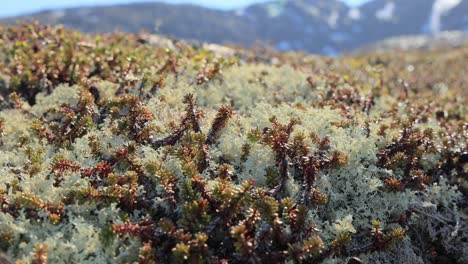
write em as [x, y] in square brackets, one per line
[15, 7]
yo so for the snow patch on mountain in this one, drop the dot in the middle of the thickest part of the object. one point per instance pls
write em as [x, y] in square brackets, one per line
[387, 12]
[275, 9]
[333, 19]
[354, 13]
[313, 11]
[240, 12]
[439, 9]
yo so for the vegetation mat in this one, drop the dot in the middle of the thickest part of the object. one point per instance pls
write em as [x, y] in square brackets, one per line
[117, 149]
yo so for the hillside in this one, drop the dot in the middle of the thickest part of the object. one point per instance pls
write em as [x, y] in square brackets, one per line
[122, 148]
[317, 26]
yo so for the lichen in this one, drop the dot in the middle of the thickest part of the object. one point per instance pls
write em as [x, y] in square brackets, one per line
[116, 151]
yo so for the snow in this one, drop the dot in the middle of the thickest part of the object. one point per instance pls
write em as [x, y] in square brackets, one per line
[354, 14]
[333, 19]
[313, 11]
[387, 12]
[439, 9]
[275, 9]
[240, 12]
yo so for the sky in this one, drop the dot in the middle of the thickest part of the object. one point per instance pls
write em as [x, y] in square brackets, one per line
[16, 7]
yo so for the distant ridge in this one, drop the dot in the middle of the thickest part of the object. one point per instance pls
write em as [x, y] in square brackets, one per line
[318, 26]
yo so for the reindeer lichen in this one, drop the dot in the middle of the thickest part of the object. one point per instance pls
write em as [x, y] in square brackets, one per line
[116, 151]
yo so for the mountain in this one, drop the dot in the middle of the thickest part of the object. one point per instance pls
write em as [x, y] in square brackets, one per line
[318, 26]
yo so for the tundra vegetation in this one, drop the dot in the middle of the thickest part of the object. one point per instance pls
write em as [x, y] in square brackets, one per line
[115, 150]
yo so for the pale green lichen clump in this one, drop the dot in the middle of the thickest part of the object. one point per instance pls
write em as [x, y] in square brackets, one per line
[116, 151]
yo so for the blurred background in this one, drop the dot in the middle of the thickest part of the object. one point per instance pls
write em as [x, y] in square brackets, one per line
[326, 27]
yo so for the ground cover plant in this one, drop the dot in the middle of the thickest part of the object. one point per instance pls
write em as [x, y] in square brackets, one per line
[113, 150]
